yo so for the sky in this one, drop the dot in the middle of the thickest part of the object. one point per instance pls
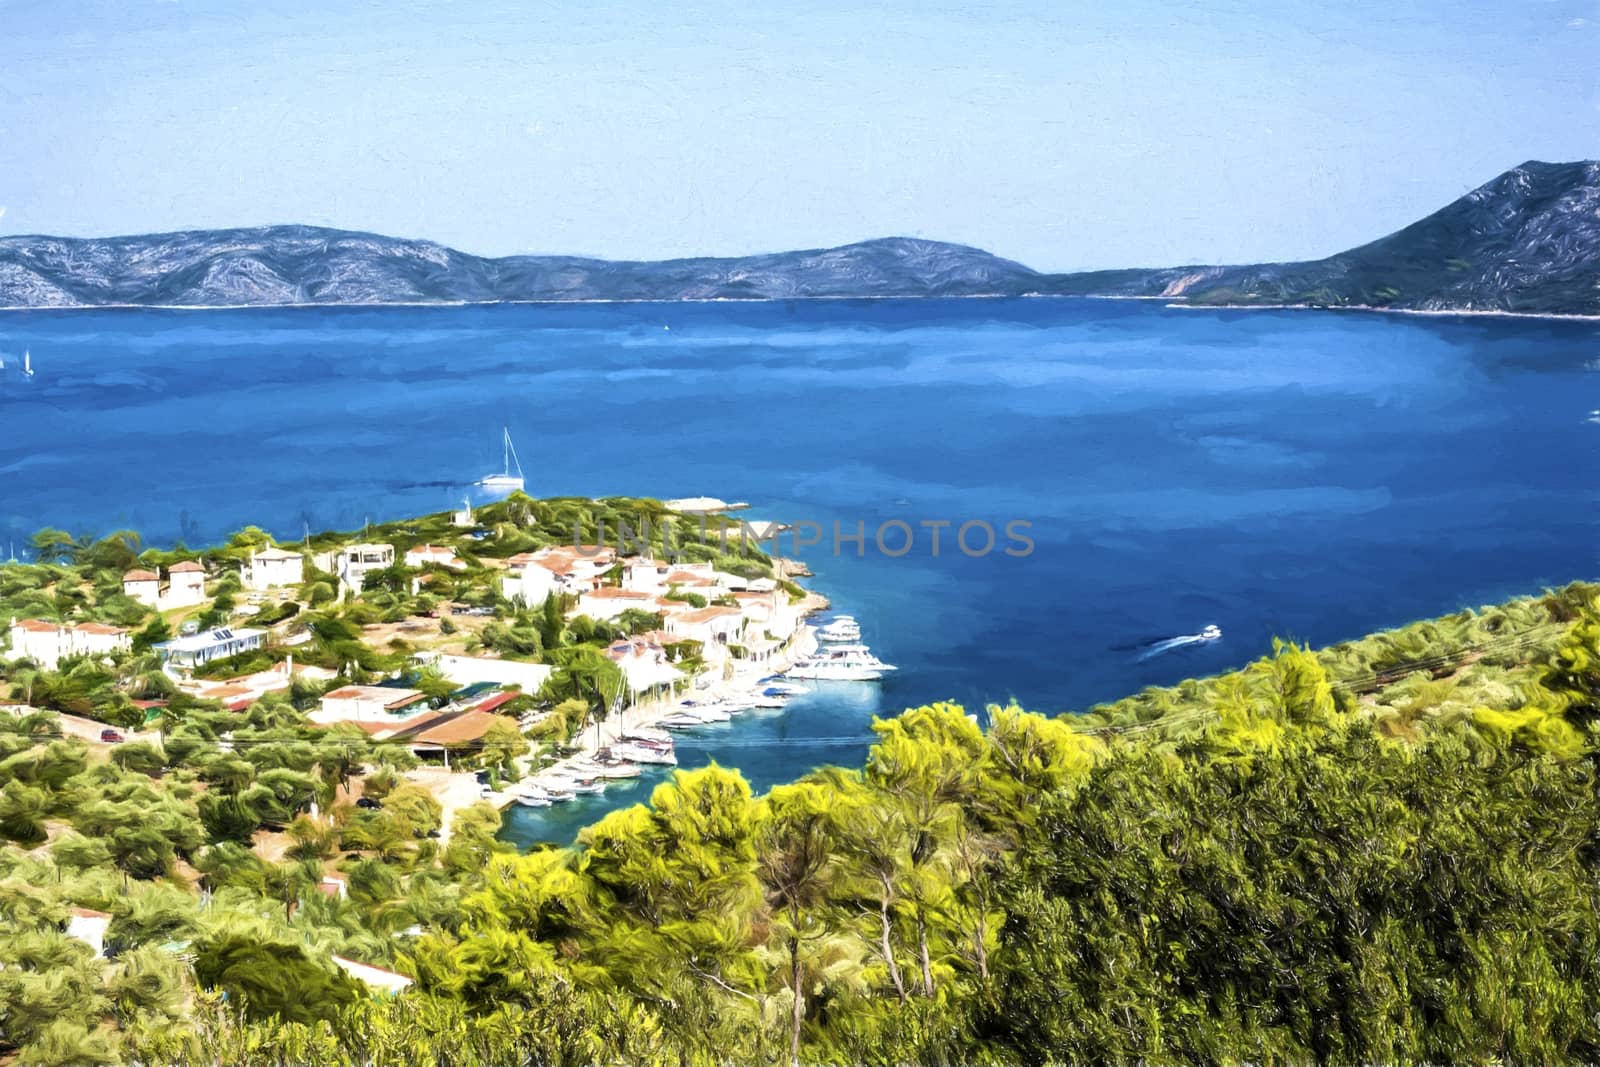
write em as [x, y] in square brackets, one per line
[1062, 134]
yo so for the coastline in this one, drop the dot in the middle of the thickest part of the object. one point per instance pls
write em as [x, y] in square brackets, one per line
[1371, 308]
[604, 301]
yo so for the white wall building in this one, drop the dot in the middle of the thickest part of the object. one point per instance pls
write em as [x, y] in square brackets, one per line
[423, 555]
[391, 982]
[609, 602]
[186, 585]
[196, 650]
[352, 564]
[529, 584]
[273, 568]
[471, 670]
[48, 643]
[364, 703]
[143, 586]
[713, 627]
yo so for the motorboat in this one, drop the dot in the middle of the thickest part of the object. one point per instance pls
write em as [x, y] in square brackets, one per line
[505, 480]
[1211, 632]
[842, 629]
[842, 663]
[608, 769]
[778, 688]
[641, 753]
[578, 784]
[682, 722]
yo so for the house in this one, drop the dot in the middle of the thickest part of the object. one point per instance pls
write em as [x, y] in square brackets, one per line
[385, 981]
[196, 650]
[713, 627]
[434, 555]
[89, 926]
[609, 602]
[645, 575]
[644, 663]
[352, 564]
[239, 693]
[186, 585]
[143, 586]
[528, 584]
[48, 643]
[475, 670]
[333, 886]
[365, 703]
[464, 516]
[273, 568]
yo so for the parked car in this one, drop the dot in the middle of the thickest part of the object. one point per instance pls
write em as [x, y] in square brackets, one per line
[367, 802]
[110, 737]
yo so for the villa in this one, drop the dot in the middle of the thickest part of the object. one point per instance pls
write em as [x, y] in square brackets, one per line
[273, 568]
[48, 643]
[713, 627]
[365, 703]
[477, 670]
[352, 564]
[608, 603]
[186, 586]
[89, 926]
[143, 586]
[433, 555]
[196, 650]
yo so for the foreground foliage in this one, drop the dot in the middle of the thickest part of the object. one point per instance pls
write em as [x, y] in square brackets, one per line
[1381, 852]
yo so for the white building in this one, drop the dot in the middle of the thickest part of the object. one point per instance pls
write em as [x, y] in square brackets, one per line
[196, 650]
[472, 670]
[424, 555]
[365, 703]
[529, 584]
[645, 575]
[143, 586]
[609, 602]
[273, 568]
[644, 663]
[186, 585]
[713, 627]
[89, 926]
[48, 643]
[352, 564]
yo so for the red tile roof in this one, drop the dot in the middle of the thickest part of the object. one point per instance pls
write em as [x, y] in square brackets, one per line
[707, 614]
[186, 567]
[140, 576]
[460, 729]
[499, 700]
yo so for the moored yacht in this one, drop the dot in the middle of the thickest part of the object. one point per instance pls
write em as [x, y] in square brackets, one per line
[842, 663]
[843, 629]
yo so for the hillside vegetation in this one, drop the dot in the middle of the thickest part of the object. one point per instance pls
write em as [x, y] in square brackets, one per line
[1380, 852]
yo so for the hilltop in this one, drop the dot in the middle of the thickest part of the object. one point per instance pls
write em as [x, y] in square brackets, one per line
[1528, 242]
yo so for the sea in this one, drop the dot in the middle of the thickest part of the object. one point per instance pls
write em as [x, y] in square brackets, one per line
[1143, 471]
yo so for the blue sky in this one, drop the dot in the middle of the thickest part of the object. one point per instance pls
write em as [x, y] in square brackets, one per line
[1066, 135]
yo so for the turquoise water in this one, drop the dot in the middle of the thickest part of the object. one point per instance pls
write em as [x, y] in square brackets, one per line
[1311, 475]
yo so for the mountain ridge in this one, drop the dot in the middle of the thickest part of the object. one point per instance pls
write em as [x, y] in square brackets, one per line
[1527, 241]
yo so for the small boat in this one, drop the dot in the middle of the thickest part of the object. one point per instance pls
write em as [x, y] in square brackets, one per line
[776, 688]
[1211, 632]
[505, 480]
[530, 798]
[27, 364]
[682, 722]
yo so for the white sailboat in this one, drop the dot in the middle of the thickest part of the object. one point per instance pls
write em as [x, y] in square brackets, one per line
[505, 479]
[27, 364]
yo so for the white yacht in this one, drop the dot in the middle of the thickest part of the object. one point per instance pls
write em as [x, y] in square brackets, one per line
[1211, 632]
[505, 480]
[607, 769]
[842, 663]
[579, 783]
[842, 629]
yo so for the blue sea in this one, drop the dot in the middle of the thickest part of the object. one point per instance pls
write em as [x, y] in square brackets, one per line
[1312, 475]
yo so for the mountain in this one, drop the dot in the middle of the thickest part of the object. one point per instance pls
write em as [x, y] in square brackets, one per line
[312, 265]
[1528, 241]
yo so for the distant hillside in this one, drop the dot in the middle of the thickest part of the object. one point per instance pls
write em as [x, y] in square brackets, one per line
[311, 265]
[1529, 241]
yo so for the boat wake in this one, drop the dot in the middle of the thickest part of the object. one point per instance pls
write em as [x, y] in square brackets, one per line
[1157, 648]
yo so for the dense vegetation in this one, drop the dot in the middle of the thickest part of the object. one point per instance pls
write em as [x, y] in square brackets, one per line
[1381, 852]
